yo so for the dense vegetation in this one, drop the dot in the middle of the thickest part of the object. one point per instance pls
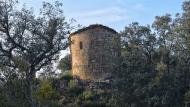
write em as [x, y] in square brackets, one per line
[154, 69]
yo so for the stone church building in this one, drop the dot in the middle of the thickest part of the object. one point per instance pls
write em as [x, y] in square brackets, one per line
[95, 52]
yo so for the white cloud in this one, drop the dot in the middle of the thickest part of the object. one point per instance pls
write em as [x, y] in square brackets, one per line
[110, 10]
[104, 16]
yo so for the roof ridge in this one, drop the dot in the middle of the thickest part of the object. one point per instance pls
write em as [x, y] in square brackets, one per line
[93, 26]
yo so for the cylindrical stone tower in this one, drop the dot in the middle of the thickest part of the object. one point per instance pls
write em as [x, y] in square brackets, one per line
[95, 52]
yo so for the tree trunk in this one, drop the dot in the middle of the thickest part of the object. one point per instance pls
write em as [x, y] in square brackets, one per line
[30, 76]
[168, 61]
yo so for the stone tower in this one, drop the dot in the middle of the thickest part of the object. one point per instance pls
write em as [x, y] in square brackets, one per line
[95, 52]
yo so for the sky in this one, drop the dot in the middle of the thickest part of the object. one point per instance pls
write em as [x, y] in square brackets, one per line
[113, 13]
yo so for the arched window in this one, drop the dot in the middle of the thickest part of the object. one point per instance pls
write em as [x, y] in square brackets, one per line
[80, 45]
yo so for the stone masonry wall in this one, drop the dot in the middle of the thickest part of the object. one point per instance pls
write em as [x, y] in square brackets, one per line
[98, 56]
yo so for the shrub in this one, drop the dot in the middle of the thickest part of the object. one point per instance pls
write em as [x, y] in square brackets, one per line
[46, 92]
[66, 76]
[87, 95]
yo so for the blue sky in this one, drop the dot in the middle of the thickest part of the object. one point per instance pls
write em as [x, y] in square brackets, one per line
[114, 13]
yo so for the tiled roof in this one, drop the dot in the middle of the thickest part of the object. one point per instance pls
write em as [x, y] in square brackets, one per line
[92, 27]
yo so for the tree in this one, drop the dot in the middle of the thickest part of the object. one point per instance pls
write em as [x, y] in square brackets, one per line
[33, 40]
[65, 63]
[162, 25]
[137, 68]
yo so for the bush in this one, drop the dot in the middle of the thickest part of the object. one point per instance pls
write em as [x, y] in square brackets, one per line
[72, 84]
[94, 104]
[67, 76]
[87, 95]
[46, 92]
[74, 87]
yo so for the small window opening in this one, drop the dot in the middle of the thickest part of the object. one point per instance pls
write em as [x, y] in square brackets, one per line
[81, 45]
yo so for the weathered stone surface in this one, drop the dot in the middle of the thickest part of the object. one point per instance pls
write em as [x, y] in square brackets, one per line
[95, 52]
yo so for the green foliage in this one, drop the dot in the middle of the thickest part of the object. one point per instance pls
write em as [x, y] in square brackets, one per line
[74, 87]
[65, 63]
[13, 90]
[31, 42]
[21, 64]
[161, 67]
[154, 69]
[155, 64]
[46, 91]
[92, 104]
[66, 76]
[187, 97]
[73, 84]
[88, 94]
